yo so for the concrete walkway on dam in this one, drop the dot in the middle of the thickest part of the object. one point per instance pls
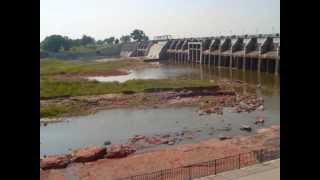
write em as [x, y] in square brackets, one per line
[266, 171]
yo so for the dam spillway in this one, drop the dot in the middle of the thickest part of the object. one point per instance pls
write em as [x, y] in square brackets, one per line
[248, 52]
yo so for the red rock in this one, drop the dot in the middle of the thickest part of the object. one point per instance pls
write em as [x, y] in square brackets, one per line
[259, 119]
[54, 162]
[154, 140]
[119, 151]
[136, 138]
[88, 154]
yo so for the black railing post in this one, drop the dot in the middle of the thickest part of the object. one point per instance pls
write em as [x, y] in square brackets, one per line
[189, 170]
[261, 156]
[215, 166]
[239, 161]
[161, 175]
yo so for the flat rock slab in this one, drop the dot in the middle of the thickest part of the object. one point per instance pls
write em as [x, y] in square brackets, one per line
[54, 162]
[88, 154]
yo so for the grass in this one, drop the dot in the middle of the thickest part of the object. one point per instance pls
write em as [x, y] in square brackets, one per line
[54, 110]
[53, 88]
[52, 66]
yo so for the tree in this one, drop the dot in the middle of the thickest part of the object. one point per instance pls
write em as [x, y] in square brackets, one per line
[53, 43]
[125, 38]
[99, 42]
[109, 40]
[116, 41]
[85, 40]
[138, 35]
[76, 42]
[67, 44]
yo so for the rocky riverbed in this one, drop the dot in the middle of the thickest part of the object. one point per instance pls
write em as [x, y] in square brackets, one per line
[108, 162]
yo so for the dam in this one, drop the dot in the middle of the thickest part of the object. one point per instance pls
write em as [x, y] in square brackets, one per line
[247, 52]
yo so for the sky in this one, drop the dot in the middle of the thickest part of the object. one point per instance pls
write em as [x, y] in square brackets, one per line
[180, 18]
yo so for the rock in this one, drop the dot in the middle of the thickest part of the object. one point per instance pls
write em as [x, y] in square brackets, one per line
[260, 108]
[223, 137]
[54, 162]
[106, 143]
[166, 136]
[136, 138]
[154, 140]
[259, 119]
[119, 151]
[225, 129]
[244, 105]
[260, 100]
[164, 141]
[208, 110]
[172, 142]
[238, 81]
[220, 111]
[245, 128]
[88, 154]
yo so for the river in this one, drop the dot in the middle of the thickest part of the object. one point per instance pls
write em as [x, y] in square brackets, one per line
[117, 125]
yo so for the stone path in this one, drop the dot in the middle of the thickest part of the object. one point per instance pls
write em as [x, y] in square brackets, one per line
[266, 171]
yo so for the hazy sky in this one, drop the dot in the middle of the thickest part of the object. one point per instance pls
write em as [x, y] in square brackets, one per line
[180, 18]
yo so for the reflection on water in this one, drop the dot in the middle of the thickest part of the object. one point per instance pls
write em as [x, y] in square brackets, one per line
[197, 71]
[163, 72]
[118, 124]
[269, 82]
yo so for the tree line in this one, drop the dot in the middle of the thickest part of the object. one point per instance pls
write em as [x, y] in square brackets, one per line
[56, 43]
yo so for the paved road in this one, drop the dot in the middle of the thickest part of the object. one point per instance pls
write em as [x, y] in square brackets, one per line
[266, 171]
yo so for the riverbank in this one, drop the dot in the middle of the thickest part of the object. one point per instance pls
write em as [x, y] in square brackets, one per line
[66, 91]
[155, 94]
[166, 158]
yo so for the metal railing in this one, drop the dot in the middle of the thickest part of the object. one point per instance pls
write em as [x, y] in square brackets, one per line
[211, 167]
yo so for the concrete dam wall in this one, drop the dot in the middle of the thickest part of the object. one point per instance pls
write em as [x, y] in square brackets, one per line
[251, 52]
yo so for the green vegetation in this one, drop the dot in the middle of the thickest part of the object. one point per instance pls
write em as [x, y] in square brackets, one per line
[54, 88]
[139, 35]
[125, 38]
[50, 87]
[59, 43]
[54, 110]
[51, 66]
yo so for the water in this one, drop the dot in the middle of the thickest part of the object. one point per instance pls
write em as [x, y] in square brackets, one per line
[118, 124]
[164, 72]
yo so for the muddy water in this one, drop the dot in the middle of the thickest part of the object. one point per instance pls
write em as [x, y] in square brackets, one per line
[119, 124]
